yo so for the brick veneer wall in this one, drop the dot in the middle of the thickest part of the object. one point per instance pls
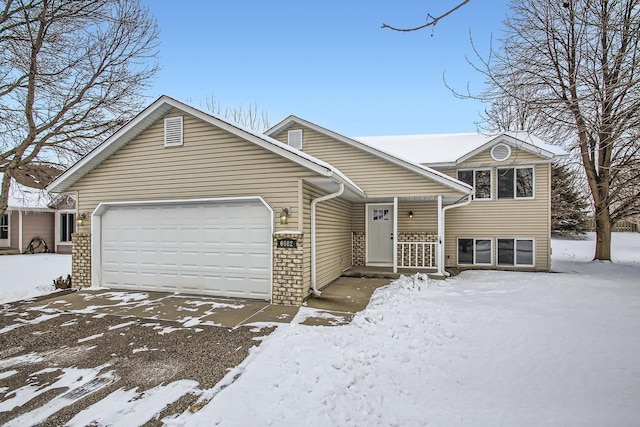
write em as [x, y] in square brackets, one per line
[358, 249]
[288, 271]
[81, 260]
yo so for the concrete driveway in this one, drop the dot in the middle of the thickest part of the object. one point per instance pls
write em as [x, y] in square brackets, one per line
[63, 353]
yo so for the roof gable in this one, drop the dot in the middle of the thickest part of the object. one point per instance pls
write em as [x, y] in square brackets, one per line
[452, 149]
[421, 170]
[159, 109]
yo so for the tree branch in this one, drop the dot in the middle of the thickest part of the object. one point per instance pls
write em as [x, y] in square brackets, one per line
[431, 20]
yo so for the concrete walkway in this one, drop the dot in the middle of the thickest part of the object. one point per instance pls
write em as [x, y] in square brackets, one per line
[337, 306]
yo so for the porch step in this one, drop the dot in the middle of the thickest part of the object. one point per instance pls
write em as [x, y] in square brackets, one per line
[370, 273]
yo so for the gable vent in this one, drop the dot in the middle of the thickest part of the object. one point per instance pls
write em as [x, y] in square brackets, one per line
[500, 152]
[173, 131]
[295, 138]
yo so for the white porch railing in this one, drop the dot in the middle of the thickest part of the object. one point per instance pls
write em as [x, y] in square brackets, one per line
[417, 254]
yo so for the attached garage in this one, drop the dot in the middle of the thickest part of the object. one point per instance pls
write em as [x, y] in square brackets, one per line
[217, 247]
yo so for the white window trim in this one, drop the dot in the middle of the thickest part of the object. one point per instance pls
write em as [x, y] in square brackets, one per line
[6, 243]
[515, 183]
[474, 182]
[490, 239]
[59, 213]
[515, 252]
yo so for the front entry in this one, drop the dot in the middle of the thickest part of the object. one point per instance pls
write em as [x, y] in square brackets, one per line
[379, 235]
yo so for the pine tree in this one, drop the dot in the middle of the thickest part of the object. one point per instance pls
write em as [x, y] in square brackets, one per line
[569, 206]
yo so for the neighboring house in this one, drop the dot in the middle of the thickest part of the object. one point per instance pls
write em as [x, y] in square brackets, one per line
[34, 213]
[179, 200]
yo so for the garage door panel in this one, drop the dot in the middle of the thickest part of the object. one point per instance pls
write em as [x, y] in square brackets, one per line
[214, 248]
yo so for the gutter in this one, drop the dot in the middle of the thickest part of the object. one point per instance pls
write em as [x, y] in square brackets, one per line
[441, 271]
[314, 202]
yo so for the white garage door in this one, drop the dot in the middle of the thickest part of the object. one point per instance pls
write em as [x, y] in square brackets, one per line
[220, 248]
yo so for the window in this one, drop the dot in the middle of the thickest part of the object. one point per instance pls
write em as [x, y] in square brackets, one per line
[294, 138]
[516, 252]
[381, 215]
[4, 227]
[515, 183]
[479, 179]
[173, 131]
[67, 226]
[475, 251]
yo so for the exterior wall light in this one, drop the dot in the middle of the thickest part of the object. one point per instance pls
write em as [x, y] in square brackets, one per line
[284, 216]
[410, 214]
[81, 218]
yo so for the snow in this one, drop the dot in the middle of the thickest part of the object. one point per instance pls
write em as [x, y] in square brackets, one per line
[484, 348]
[21, 196]
[444, 148]
[28, 276]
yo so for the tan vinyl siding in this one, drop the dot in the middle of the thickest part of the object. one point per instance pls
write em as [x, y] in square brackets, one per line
[333, 236]
[504, 219]
[425, 216]
[359, 216]
[211, 163]
[377, 177]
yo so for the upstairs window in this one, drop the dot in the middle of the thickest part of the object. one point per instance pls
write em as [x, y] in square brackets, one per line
[67, 226]
[515, 183]
[4, 227]
[479, 179]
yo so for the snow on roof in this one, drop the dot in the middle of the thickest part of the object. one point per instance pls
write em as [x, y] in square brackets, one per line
[23, 197]
[446, 148]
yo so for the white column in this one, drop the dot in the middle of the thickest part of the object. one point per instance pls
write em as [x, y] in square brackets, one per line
[20, 242]
[440, 250]
[395, 234]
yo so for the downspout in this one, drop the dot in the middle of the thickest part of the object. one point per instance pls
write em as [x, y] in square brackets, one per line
[314, 202]
[441, 270]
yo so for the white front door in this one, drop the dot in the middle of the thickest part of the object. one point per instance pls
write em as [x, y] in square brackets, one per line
[379, 235]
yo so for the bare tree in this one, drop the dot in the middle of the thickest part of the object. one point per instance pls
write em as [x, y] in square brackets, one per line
[431, 20]
[71, 72]
[569, 71]
[251, 117]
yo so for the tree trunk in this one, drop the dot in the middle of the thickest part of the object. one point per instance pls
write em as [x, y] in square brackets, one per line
[603, 234]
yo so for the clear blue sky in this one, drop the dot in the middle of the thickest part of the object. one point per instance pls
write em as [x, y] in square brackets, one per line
[327, 61]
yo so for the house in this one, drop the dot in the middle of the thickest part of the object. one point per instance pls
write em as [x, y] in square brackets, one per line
[181, 201]
[33, 213]
[508, 224]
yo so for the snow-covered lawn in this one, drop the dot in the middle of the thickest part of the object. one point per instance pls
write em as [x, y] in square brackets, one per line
[486, 348]
[483, 349]
[28, 276]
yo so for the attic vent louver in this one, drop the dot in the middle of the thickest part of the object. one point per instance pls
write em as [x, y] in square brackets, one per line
[295, 139]
[500, 152]
[173, 131]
